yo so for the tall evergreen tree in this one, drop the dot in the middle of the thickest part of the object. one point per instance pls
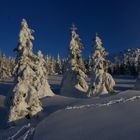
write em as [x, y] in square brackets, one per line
[24, 101]
[74, 78]
[101, 81]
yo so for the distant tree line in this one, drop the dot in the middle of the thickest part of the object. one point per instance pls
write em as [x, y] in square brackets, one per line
[126, 63]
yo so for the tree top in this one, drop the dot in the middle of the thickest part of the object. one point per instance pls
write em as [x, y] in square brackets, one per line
[73, 28]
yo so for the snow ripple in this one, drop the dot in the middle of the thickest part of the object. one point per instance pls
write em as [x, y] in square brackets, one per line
[112, 102]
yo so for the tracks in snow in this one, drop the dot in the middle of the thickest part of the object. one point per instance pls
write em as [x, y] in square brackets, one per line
[112, 102]
[25, 132]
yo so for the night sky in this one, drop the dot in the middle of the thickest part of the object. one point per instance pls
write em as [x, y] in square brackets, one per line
[116, 21]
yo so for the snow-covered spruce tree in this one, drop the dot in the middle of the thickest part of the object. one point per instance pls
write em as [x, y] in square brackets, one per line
[101, 81]
[24, 100]
[41, 84]
[73, 82]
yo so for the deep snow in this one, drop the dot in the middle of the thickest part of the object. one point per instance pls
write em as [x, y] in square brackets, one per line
[118, 121]
[99, 118]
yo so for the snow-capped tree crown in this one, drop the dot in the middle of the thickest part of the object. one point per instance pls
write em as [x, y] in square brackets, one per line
[98, 55]
[75, 44]
[98, 49]
[25, 39]
[25, 55]
[75, 56]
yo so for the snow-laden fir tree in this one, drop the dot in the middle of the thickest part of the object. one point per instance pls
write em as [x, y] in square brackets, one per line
[58, 66]
[101, 81]
[24, 100]
[41, 84]
[74, 77]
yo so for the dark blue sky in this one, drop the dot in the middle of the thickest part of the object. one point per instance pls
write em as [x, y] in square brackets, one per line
[116, 21]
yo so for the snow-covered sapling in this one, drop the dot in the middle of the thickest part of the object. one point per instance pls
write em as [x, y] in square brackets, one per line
[41, 84]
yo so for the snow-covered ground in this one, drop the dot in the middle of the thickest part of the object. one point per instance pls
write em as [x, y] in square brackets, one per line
[113, 117]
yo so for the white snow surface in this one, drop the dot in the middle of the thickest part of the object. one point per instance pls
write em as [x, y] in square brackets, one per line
[105, 117]
[115, 117]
